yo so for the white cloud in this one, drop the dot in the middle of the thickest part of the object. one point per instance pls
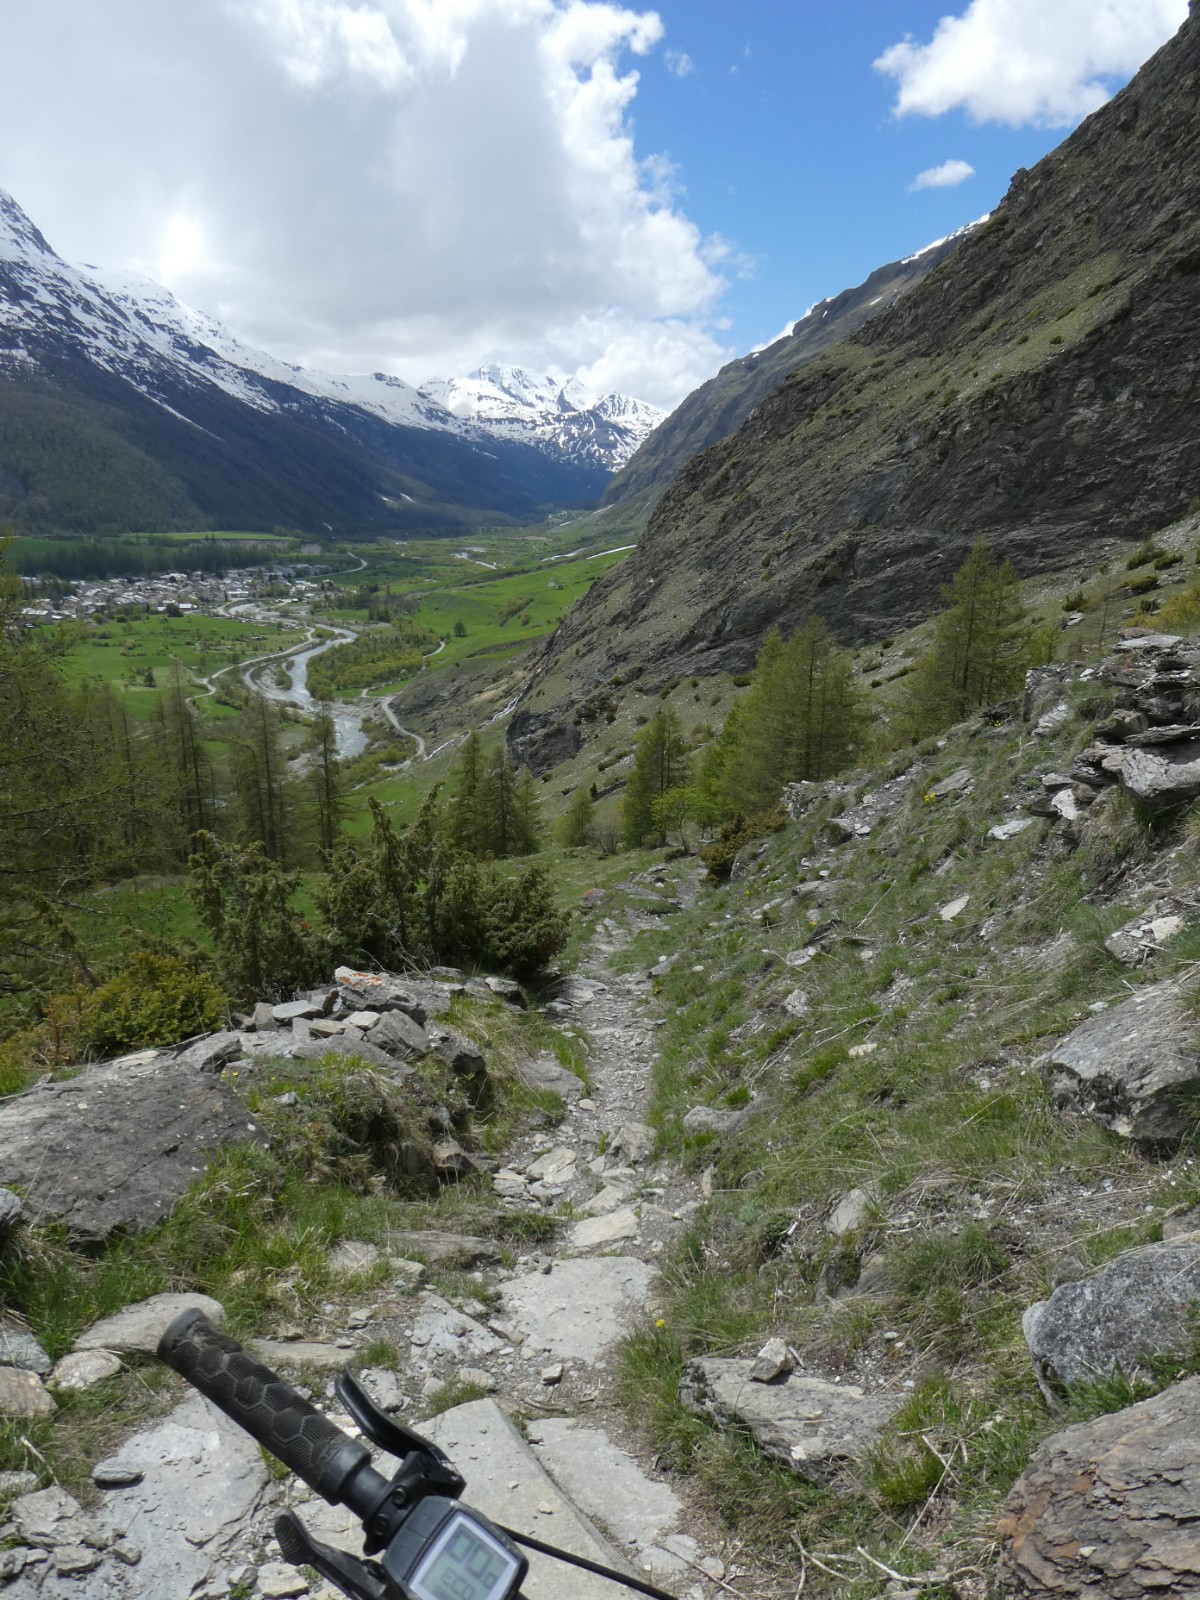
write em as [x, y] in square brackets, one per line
[679, 62]
[1042, 62]
[407, 185]
[948, 176]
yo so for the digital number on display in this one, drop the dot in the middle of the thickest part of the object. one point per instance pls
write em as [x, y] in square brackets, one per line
[465, 1566]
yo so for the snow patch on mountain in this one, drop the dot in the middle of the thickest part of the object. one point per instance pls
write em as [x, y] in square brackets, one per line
[555, 413]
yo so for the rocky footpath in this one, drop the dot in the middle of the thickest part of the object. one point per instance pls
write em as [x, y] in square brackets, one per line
[185, 1506]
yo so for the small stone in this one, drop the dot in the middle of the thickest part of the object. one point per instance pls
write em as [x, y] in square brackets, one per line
[19, 1348]
[354, 1255]
[507, 989]
[291, 1009]
[12, 1209]
[116, 1474]
[593, 1232]
[554, 1166]
[856, 1052]
[287, 1100]
[478, 1378]
[850, 1214]
[73, 1560]
[279, 1581]
[797, 1004]
[773, 1361]
[635, 1141]
[1009, 830]
[128, 1554]
[713, 1119]
[954, 908]
[12, 1564]
[15, 1483]
[382, 1384]
[365, 1020]
[264, 1018]
[23, 1394]
[408, 1273]
[553, 1374]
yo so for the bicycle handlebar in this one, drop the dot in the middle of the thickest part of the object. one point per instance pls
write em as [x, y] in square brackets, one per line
[267, 1408]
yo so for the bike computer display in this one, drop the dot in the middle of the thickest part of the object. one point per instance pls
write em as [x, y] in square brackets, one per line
[446, 1552]
[465, 1563]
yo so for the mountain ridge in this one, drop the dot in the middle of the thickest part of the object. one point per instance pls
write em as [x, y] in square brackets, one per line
[117, 365]
[1040, 388]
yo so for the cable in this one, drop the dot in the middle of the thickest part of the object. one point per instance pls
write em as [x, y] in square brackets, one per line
[588, 1566]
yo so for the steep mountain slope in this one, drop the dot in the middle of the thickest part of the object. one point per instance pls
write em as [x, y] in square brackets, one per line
[564, 419]
[717, 407]
[204, 427]
[1041, 387]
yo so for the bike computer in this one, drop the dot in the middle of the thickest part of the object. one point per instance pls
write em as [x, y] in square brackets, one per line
[446, 1552]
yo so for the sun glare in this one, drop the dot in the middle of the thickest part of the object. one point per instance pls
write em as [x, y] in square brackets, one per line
[181, 249]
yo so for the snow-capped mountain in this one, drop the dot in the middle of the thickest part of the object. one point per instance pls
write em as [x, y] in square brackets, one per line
[246, 439]
[556, 414]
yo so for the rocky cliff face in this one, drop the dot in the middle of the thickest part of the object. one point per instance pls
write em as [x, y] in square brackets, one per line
[1040, 387]
[716, 408]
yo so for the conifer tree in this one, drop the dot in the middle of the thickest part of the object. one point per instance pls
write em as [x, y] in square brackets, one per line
[801, 718]
[576, 826]
[464, 813]
[661, 762]
[977, 654]
[326, 781]
[498, 808]
[527, 827]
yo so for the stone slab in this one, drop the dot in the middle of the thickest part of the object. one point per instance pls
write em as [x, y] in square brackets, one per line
[543, 1072]
[139, 1327]
[506, 1482]
[84, 1370]
[23, 1394]
[280, 1353]
[115, 1148]
[439, 1330]
[436, 1244]
[594, 1233]
[815, 1428]
[604, 1482]
[581, 1308]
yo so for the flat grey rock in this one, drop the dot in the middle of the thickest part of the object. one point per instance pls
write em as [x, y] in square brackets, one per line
[19, 1348]
[23, 1394]
[815, 1428]
[1165, 776]
[211, 1054]
[202, 1483]
[139, 1327]
[1135, 1068]
[635, 1141]
[116, 1147]
[1106, 1510]
[506, 1482]
[581, 1308]
[354, 1255]
[84, 1369]
[1133, 1309]
[851, 1213]
[507, 989]
[264, 1017]
[280, 1353]
[291, 1009]
[437, 1245]
[543, 1072]
[344, 1044]
[593, 1233]
[1144, 935]
[398, 1035]
[439, 1330]
[714, 1119]
[604, 1482]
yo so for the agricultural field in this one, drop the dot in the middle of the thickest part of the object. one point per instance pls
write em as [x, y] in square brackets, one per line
[134, 655]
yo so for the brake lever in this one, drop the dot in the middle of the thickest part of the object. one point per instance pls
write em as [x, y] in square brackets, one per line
[362, 1580]
[386, 1434]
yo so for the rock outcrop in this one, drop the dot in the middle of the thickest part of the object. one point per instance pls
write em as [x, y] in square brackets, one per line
[1135, 1069]
[1106, 1510]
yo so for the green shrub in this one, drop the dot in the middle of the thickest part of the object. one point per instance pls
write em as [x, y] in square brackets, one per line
[719, 856]
[154, 999]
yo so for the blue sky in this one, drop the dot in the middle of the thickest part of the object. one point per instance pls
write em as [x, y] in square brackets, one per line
[628, 193]
[786, 144]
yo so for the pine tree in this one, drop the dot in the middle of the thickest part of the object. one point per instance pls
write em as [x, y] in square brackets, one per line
[527, 827]
[660, 763]
[326, 781]
[498, 807]
[576, 826]
[800, 718]
[977, 654]
[259, 778]
[464, 812]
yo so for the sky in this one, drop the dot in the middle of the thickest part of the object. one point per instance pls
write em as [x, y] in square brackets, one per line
[632, 195]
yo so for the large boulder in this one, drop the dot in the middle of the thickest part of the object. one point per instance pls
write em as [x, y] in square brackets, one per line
[116, 1147]
[1135, 1069]
[398, 1035]
[816, 1429]
[1130, 1311]
[1106, 1510]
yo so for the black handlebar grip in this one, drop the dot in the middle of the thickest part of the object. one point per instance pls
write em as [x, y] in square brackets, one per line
[267, 1408]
